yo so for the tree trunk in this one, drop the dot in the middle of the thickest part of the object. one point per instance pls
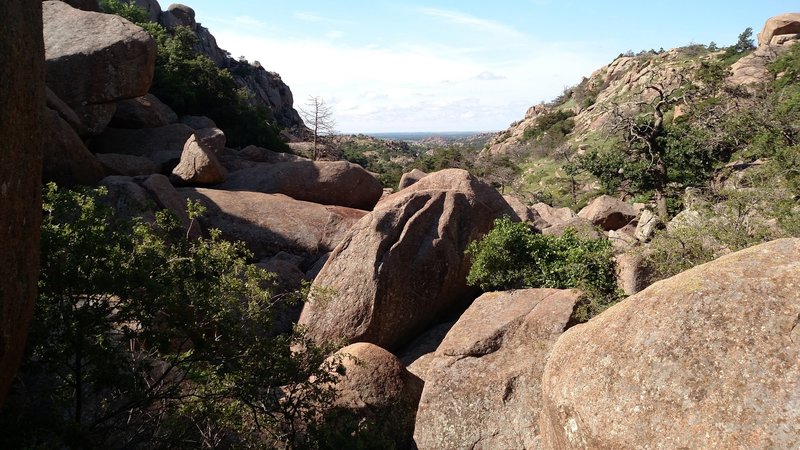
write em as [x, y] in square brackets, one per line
[660, 180]
[22, 100]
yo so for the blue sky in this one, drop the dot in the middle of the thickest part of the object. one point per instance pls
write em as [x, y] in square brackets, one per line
[457, 65]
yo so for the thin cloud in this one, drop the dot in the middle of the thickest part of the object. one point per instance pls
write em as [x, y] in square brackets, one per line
[305, 16]
[476, 23]
[489, 76]
[247, 20]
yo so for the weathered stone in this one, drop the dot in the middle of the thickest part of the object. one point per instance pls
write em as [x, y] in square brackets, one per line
[128, 165]
[526, 214]
[403, 266]
[418, 355]
[705, 359]
[583, 228]
[608, 213]
[410, 178]
[270, 223]
[788, 23]
[23, 98]
[85, 5]
[66, 112]
[326, 182]
[143, 112]
[198, 122]
[95, 117]
[482, 387]
[95, 58]
[168, 197]
[259, 154]
[178, 15]
[163, 145]
[646, 225]
[66, 160]
[553, 216]
[632, 272]
[128, 198]
[623, 240]
[199, 164]
[377, 389]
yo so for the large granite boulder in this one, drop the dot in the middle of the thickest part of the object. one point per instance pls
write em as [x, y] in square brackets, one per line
[23, 98]
[95, 59]
[709, 358]
[482, 386]
[608, 213]
[163, 145]
[143, 112]
[782, 24]
[66, 160]
[403, 265]
[270, 223]
[553, 216]
[327, 182]
[178, 15]
[199, 164]
[378, 394]
[128, 165]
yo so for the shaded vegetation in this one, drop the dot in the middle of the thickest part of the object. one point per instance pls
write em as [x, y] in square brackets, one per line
[143, 337]
[190, 83]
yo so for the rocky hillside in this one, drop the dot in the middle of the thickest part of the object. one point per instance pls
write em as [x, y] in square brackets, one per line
[624, 82]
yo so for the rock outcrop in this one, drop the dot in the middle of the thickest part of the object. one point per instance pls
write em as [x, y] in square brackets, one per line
[270, 223]
[326, 182]
[199, 164]
[143, 112]
[403, 265]
[482, 386]
[22, 92]
[705, 359]
[376, 389]
[162, 145]
[410, 178]
[608, 213]
[66, 160]
[779, 25]
[95, 59]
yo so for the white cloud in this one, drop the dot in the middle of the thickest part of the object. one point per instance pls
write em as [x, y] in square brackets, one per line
[404, 87]
[489, 76]
[475, 23]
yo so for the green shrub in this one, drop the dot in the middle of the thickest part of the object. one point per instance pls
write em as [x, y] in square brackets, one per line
[555, 124]
[144, 338]
[511, 256]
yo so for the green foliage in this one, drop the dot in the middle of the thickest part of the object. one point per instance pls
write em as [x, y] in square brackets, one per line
[744, 45]
[511, 256]
[554, 124]
[143, 337]
[787, 68]
[125, 10]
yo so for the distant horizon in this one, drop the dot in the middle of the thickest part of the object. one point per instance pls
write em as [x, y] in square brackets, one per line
[446, 64]
[420, 135]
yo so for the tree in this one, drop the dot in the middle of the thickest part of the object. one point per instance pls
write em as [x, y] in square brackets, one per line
[745, 41]
[318, 115]
[144, 337]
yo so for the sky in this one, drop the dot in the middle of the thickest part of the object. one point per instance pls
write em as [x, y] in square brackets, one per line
[389, 66]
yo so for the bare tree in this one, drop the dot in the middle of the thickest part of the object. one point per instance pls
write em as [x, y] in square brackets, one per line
[318, 116]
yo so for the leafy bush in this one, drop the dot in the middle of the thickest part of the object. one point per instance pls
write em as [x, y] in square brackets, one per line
[511, 256]
[143, 337]
[555, 124]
